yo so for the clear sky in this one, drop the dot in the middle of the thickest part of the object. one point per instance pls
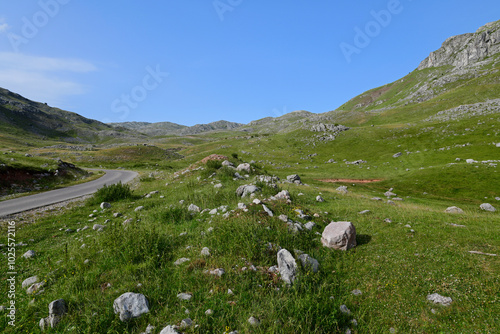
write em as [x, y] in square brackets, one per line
[198, 61]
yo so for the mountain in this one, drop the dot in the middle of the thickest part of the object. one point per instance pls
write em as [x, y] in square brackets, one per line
[465, 70]
[151, 129]
[168, 128]
[20, 117]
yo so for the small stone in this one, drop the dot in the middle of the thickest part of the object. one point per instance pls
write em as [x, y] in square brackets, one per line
[181, 261]
[193, 208]
[319, 199]
[342, 189]
[105, 205]
[169, 330]
[387, 220]
[185, 323]
[209, 312]
[29, 281]
[309, 263]
[309, 226]
[230, 292]
[35, 288]
[454, 209]
[364, 212]
[344, 309]
[184, 296]
[117, 214]
[253, 321]
[58, 307]
[217, 272]
[357, 292]
[267, 210]
[205, 251]
[29, 254]
[98, 227]
[438, 299]
[139, 208]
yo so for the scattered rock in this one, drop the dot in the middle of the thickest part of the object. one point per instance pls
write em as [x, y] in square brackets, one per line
[57, 309]
[193, 208]
[29, 254]
[319, 199]
[181, 261]
[364, 212]
[98, 227]
[245, 167]
[169, 330]
[284, 194]
[454, 209]
[267, 210]
[342, 189]
[487, 207]
[309, 226]
[130, 305]
[185, 323]
[438, 299]
[357, 292]
[217, 272]
[35, 287]
[209, 312]
[105, 205]
[481, 253]
[253, 321]
[246, 190]
[184, 296]
[29, 281]
[139, 208]
[344, 309]
[227, 163]
[287, 266]
[294, 178]
[397, 155]
[309, 263]
[339, 235]
[205, 251]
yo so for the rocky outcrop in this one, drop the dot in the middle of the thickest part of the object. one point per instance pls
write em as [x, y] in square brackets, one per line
[467, 49]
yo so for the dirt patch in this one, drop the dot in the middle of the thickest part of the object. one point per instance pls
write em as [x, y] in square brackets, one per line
[213, 157]
[350, 180]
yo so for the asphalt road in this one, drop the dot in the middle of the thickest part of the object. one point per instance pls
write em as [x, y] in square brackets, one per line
[60, 195]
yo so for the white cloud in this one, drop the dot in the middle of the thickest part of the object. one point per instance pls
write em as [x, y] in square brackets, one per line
[3, 27]
[42, 79]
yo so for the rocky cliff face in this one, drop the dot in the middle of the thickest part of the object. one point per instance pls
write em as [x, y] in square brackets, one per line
[467, 49]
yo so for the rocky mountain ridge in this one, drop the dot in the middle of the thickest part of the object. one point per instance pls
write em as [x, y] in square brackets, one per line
[169, 128]
[467, 49]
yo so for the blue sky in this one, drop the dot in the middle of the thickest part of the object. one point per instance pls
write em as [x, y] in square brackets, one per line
[199, 61]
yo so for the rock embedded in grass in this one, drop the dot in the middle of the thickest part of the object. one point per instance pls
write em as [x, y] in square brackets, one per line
[454, 209]
[287, 266]
[105, 205]
[193, 208]
[184, 296]
[342, 189]
[309, 263]
[319, 199]
[246, 190]
[339, 235]
[181, 261]
[438, 299]
[130, 305]
[309, 226]
[29, 281]
[487, 207]
[57, 309]
[253, 321]
[29, 254]
[245, 167]
[294, 178]
[267, 210]
[139, 208]
[169, 330]
[205, 251]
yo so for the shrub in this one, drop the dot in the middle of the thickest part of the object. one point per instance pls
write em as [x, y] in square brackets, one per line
[114, 192]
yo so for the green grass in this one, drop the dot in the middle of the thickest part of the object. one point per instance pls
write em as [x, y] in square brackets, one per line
[394, 268]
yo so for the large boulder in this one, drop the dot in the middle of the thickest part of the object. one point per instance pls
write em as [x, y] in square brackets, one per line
[339, 235]
[287, 266]
[130, 305]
